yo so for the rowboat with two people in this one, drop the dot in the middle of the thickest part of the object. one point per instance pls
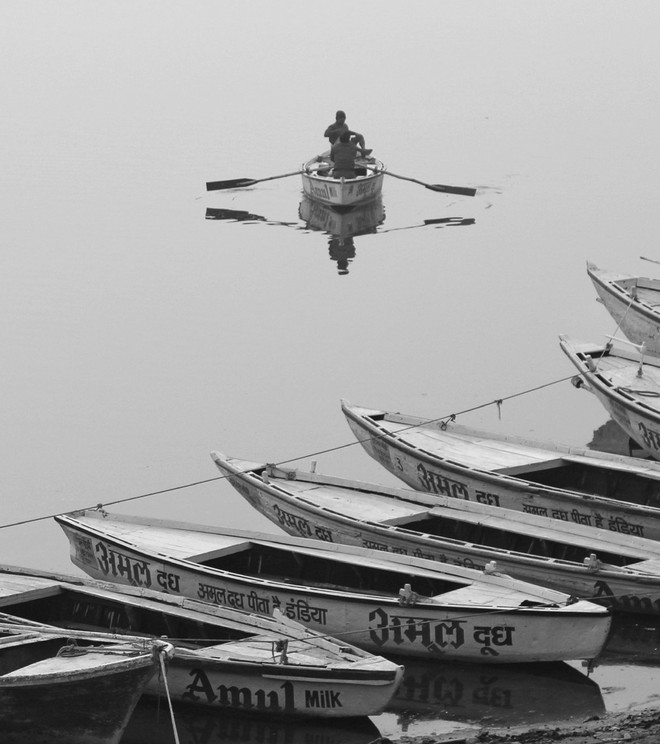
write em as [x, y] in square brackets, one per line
[224, 658]
[571, 484]
[385, 603]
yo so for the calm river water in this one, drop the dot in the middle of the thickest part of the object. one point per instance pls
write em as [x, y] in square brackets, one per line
[147, 322]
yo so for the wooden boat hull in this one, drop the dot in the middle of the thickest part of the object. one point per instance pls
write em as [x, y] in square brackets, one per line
[84, 699]
[405, 522]
[308, 676]
[507, 622]
[634, 304]
[631, 399]
[341, 192]
[610, 492]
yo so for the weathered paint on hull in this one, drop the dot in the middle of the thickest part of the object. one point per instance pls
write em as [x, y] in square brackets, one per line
[90, 710]
[286, 691]
[434, 475]
[381, 627]
[621, 590]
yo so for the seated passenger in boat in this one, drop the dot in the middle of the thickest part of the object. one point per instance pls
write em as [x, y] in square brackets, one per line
[343, 153]
[339, 126]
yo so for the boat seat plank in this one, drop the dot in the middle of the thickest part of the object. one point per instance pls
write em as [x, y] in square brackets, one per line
[25, 589]
[179, 543]
[651, 566]
[362, 506]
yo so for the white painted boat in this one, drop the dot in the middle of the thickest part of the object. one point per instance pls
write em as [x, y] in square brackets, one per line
[320, 185]
[580, 486]
[245, 663]
[63, 687]
[622, 572]
[633, 302]
[626, 383]
[391, 604]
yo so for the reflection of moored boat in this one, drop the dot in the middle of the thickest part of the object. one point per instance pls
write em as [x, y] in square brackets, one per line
[151, 724]
[625, 382]
[504, 695]
[319, 184]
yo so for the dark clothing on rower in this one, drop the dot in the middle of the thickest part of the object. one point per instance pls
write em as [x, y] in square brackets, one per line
[343, 154]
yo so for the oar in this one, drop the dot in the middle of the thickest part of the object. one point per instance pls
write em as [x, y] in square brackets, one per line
[461, 190]
[652, 260]
[238, 183]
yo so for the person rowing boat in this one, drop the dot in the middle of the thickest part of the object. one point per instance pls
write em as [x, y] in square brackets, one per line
[338, 127]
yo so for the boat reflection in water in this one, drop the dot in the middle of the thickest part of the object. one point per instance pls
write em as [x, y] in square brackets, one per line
[151, 724]
[342, 225]
[506, 695]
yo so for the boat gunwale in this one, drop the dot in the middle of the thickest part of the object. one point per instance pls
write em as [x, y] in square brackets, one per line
[599, 381]
[513, 481]
[489, 553]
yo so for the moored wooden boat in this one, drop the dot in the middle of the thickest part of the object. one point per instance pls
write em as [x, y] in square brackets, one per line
[391, 604]
[245, 663]
[62, 688]
[606, 491]
[625, 382]
[633, 302]
[622, 572]
[319, 184]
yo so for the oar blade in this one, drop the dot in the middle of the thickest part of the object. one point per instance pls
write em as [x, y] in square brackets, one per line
[234, 183]
[460, 190]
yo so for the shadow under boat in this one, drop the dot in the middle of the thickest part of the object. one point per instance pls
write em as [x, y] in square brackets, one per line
[610, 437]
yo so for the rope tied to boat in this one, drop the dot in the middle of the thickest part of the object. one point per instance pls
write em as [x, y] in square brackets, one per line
[72, 649]
[449, 420]
[637, 391]
[164, 651]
